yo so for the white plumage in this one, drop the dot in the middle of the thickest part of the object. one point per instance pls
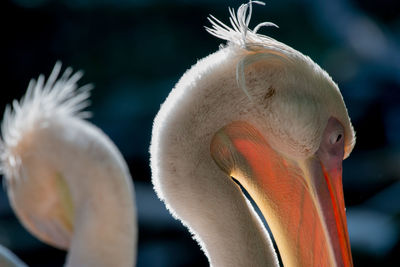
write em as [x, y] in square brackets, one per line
[66, 180]
[262, 95]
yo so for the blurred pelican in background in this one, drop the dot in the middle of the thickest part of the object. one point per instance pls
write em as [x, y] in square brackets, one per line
[263, 113]
[66, 181]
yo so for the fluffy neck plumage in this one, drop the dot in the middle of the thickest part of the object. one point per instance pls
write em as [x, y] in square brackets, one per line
[75, 160]
[212, 206]
[185, 176]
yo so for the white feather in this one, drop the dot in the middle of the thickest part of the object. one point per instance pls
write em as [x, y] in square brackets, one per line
[56, 98]
[240, 34]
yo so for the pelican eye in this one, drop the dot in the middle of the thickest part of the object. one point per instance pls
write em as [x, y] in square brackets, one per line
[336, 137]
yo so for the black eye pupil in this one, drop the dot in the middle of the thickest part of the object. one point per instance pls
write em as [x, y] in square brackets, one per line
[338, 138]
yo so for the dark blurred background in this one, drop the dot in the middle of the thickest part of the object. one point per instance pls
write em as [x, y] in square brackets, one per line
[134, 51]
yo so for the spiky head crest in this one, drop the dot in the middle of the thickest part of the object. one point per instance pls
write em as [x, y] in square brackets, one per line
[58, 97]
[240, 34]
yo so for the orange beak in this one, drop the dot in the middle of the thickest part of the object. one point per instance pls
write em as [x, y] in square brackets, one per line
[302, 202]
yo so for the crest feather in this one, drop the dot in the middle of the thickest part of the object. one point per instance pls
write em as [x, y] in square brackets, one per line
[57, 97]
[240, 33]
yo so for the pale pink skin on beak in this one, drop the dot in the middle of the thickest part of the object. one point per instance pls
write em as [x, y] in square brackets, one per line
[302, 201]
[328, 164]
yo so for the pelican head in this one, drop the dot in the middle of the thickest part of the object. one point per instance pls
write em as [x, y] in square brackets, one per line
[263, 113]
[66, 180]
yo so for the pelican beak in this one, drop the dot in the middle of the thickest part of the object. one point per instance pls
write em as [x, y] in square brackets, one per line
[325, 178]
[302, 201]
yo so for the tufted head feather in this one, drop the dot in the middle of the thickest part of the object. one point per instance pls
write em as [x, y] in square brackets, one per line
[240, 33]
[55, 98]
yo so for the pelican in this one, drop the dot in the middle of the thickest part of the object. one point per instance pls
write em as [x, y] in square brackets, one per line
[66, 181]
[263, 113]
